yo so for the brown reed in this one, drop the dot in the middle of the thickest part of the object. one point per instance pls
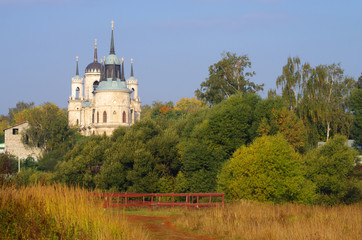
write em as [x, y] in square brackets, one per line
[58, 212]
[252, 220]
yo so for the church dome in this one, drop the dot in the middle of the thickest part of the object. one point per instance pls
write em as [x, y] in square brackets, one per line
[93, 67]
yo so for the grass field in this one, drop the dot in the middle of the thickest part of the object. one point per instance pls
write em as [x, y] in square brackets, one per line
[57, 212]
[250, 220]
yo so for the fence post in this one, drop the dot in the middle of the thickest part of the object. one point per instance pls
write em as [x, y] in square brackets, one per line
[151, 202]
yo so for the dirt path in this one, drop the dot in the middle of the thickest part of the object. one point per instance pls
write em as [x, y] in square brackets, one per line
[161, 228]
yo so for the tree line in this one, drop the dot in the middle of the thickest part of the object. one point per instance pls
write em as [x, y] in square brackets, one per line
[226, 139]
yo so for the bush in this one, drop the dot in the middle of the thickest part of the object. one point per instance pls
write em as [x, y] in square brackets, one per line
[330, 167]
[268, 170]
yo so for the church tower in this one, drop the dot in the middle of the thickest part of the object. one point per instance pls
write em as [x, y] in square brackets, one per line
[75, 100]
[92, 75]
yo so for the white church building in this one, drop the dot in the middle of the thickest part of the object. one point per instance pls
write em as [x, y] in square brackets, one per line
[104, 99]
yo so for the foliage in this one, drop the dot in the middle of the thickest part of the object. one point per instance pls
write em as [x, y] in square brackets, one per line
[356, 108]
[227, 77]
[20, 106]
[8, 164]
[291, 81]
[330, 167]
[267, 170]
[287, 123]
[225, 128]
[48, 127]
[4, 123]
[83, 162]
[319, 96]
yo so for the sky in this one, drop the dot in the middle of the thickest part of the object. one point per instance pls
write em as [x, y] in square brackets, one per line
[172, 42]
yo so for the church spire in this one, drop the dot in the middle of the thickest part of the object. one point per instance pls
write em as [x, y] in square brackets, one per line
[77, 71]
[131, 67]
[95, 51]
[112, 42]
[122, 69]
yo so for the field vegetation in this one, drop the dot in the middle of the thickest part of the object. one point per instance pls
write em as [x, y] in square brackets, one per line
[58, 212]
[253, 220]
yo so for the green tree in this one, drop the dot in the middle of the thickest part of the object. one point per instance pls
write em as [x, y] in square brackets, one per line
[212, 141]
[48, 127]
[229, 76]
[356, 107]
[325, 101]
[330, 167]
[291, 81]
[20, 106]
[267, 170]
[4, 123]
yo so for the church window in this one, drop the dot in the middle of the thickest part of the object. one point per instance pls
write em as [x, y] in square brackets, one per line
[97, 117]
[77, 122]
[95, 85]
[124, 117]
[77, 91]
[104, 116]
[93, 115]
[114, 113]
[15, 131]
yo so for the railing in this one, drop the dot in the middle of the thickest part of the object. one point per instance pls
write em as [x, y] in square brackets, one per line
[114, 200]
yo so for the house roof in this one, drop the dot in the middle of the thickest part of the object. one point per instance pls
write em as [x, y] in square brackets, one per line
[16, 125]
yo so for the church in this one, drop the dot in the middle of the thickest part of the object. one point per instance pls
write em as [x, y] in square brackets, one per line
[104, 100]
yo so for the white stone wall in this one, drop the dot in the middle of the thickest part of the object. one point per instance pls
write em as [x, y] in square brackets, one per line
[14, 145]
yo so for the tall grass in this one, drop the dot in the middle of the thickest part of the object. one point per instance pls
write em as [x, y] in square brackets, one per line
[250, 220]
[58, 212]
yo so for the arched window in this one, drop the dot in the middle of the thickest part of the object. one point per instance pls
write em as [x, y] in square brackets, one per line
[104, 116]
[132, 93]
[77, 91]
[124, 117]
[95, 85]
[97, 117]
[77, 122]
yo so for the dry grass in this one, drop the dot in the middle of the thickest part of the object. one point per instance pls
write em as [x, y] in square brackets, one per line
[250, 220]
[57, 212]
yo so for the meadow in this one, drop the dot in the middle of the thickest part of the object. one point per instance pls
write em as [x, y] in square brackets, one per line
[253, 220]
[57, 212]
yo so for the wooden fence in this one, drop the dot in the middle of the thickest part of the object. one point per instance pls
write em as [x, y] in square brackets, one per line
[115, 200]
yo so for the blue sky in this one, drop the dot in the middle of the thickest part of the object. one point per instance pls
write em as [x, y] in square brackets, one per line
[172, 42]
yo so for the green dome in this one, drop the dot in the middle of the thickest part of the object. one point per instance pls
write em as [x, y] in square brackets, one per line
[113, 86]
[77, 77]
[112, 59]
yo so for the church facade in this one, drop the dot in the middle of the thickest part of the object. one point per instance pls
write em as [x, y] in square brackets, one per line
[104, 100]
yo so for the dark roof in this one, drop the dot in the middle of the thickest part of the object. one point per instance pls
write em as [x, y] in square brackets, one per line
[93, 67]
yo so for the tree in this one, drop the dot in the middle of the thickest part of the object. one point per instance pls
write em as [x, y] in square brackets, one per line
[48, 127]
[291, 81]
[267, 170]
[287, 123]
[227, 77]
[8, 164]
[213, 140]
[20, 106]
[4, 123]
[330, 167]
[356, 107]
[325, 101]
